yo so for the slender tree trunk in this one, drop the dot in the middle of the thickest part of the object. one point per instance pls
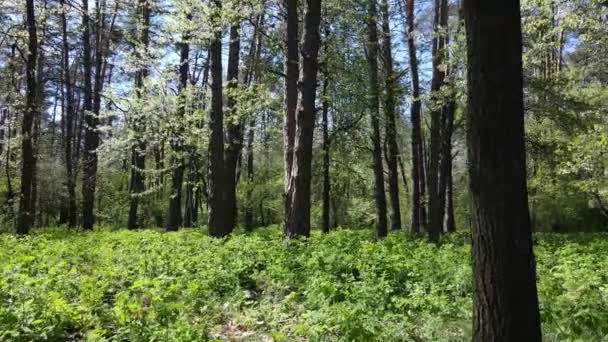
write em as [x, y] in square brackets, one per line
[138, 150]
[217, 220]
[91, 110]
[24, 219]
[416, 140]
[374, 112]
[40, 85]
[390, 121]
[450, 222]
[291, 70]
[505, 302]
[69, 123]
[326, 147]
[298, 218]
[234, 127]
[433, 177]
[174, 217]
[254, 75]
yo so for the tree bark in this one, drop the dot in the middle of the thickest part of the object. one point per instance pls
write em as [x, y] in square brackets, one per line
[374, 112]
[69, 123]
[505, 302]
[217, 220]
[24, 219]
[390, 121]
[298, 218]
[138, 151]
[291, 70]
[234, 127]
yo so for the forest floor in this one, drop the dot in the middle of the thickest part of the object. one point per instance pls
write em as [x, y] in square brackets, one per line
[149, 285]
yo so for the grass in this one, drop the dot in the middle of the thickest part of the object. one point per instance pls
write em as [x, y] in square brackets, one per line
[154, 286]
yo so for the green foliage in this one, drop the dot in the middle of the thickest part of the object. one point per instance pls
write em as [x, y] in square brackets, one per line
[148, 285]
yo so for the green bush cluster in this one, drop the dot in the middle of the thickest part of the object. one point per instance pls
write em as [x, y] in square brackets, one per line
[154, 286]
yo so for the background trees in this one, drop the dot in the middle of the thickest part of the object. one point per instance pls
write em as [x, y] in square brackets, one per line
[131, 86]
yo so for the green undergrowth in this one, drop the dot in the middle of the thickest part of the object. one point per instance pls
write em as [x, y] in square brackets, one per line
[154, 286]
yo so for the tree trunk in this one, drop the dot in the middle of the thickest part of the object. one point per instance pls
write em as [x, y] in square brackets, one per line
[253, 75]
[138, 151]
[291, 70]
[174, 217]
[234, 127]
[24, 219]
[416, 140]
[217, 220]
[433, 178]
[69, 124]
[298, 218]
[326, 147]
[505, 302]
[374, 112]
[390, 123]
[92, 104]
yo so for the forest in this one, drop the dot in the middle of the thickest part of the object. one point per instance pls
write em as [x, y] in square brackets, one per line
[303, 170]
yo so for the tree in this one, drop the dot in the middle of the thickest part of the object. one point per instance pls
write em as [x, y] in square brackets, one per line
[417, 206]
[138, 150]
[374, 113]
[217, 202]
[392, 151]
[505, 303]
[174, 216]
[298, 215]
[291, 68]
[25, 217]
[69, 122]
[234, 125]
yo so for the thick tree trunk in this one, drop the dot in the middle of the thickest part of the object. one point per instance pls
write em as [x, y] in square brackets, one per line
[298, 218]
[234, 127]
[505, 297]
[326, 146]
[69, 124]
[138, 151]
[217, 220]
[374, 112]
[24, 219]
[390, 121]
[416, 140]
[174, 216]
[291, 70]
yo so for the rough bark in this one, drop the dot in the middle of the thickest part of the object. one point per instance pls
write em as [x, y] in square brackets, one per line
[505, 302]
[234, 127]
[216, 192]
[69, 123]
[374, 113]
[390, 121]
[298, 191]
[24, 218]
[291, 69]
[138, 151]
